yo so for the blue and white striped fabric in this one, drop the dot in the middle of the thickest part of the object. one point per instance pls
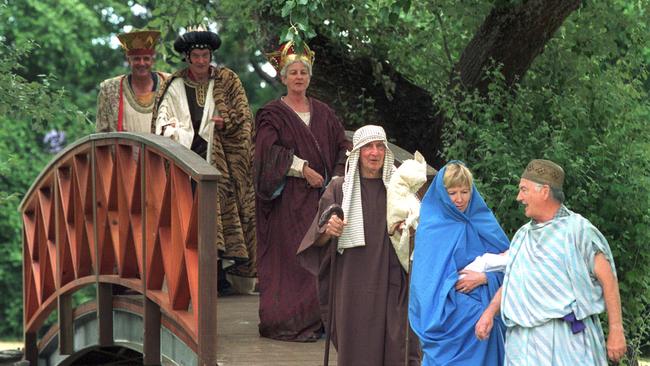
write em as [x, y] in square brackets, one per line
[550, 275]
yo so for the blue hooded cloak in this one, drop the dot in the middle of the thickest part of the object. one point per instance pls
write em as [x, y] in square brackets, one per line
[446, 241]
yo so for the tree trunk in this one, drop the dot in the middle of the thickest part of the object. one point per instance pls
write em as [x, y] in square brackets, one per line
[351, 87]
[513, 37]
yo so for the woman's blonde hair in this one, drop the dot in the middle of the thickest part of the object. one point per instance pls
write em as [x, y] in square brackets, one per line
[457, 175]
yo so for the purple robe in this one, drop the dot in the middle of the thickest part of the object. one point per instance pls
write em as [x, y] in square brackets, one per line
[285, 206]
[371, 288]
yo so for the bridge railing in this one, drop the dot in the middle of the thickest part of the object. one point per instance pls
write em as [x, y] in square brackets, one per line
[136, 210]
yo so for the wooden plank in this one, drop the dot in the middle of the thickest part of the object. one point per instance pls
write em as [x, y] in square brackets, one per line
[207, 301]
[151, 338]
[105, 313]
[240, 343]
[66, 329]
[31, 348]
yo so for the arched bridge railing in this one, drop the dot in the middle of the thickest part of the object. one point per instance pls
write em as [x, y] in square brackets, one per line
[137, 210]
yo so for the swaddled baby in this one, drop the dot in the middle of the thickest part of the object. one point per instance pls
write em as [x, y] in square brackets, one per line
[403, 206]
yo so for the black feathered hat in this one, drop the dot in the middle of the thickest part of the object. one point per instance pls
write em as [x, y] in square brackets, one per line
[196, 38]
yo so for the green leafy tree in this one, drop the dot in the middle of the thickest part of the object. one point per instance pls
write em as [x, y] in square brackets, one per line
[491, 82]
[51, 56]
[25, 114]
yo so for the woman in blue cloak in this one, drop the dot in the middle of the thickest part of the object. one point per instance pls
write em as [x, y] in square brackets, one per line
[456, 226]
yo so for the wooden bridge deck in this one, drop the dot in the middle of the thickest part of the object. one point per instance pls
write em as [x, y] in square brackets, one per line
[239, 343]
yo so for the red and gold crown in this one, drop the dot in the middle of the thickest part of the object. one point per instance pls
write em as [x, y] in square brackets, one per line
[287, 55]
[139, 42]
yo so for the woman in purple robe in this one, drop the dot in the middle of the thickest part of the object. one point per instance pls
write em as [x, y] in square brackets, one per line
[299, 146]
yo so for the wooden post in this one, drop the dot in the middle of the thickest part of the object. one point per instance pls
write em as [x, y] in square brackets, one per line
[64, 301]
[207, 306]
[31, 349]
[105, 313]
[66, 329]
[151, 314]
[104, 290]
[151, 339]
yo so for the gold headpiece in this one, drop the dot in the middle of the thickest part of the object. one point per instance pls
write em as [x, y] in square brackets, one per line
[139, 42]
[286, 55]
[197, 28]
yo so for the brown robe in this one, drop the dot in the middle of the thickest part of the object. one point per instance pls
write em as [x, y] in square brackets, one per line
[289, 307]
[371, 300]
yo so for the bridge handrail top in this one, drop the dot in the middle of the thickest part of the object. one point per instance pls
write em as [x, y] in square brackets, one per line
[192, 163]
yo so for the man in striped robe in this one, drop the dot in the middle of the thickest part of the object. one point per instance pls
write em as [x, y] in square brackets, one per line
[561, 275]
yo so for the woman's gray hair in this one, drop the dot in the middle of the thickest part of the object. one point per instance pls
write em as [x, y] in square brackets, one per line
[283, 72]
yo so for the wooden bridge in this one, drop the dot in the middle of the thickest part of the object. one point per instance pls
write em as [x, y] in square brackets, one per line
[118, 213]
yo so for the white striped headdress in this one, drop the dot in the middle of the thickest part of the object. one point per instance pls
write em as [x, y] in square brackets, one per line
[353, 234]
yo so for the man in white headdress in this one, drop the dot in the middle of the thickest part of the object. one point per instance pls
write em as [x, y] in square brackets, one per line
[370, 296]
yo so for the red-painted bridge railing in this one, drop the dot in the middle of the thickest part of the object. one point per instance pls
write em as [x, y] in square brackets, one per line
[135, 210]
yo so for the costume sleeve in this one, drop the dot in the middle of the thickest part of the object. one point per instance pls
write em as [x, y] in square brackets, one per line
[102, 119]
[587, 241]
[234, 107]
[167, 122]
[591, 242]
[296, 167]
[309, 255]
[272, 161]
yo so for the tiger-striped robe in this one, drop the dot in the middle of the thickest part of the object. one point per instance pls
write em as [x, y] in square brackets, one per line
[231, 152]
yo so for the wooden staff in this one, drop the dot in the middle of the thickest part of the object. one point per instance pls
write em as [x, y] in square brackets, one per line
[408, 289]
[333, 209]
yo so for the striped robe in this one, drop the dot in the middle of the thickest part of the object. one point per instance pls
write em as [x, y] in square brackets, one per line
[550, 275]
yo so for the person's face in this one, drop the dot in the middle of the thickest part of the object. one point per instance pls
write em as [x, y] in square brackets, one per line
[371, 159]
[297, 78]
[532, 198]
[140, 64]
[460, 197]
[200, 61]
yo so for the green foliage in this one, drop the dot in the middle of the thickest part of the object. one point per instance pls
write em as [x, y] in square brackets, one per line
[33, 100]
[583, 103]
[585, 108]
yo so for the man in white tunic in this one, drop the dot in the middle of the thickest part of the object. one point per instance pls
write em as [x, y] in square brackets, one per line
[204, 108]
[561, 275]
[125, 102]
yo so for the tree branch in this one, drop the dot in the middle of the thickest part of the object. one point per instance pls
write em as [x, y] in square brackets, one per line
[273, 82]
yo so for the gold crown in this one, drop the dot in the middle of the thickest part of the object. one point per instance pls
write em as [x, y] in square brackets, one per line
[197, 28]
[139, 42]
[287, 55]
